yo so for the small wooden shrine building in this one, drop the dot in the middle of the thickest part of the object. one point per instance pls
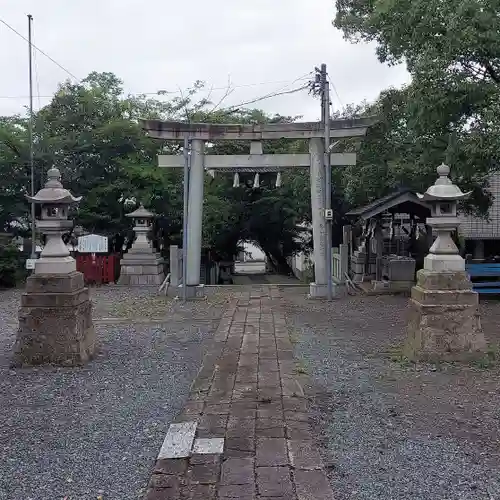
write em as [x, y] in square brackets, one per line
[390, 240]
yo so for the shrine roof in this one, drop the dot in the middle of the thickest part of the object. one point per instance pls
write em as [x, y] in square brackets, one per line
[140, 213]
[403, 201]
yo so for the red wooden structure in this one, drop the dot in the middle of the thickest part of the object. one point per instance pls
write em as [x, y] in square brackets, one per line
[98, 269]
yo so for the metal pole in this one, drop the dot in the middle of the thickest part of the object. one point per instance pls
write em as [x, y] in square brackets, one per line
[185, 219]
[328, 176]
[30, 131]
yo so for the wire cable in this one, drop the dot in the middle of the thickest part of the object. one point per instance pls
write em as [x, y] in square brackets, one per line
[332, 85]
[39, 50]
[268, 96]
[177, 92]
[279, 92]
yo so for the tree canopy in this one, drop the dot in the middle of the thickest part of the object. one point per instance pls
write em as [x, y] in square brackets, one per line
[450, 111]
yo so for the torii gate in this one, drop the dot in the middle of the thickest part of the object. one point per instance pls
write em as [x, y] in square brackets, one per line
[256, 161]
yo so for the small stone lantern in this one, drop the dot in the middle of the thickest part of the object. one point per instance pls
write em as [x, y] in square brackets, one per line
[141, 265]
[142, 225]
[55, 317]
[55, 202]
[443, 322]
[443, 197]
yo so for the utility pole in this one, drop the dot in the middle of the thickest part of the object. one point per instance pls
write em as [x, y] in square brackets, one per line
[30, 131]
[319, 86]
[325, 118]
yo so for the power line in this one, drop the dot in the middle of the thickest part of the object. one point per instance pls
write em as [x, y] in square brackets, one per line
[316, 88]
[337, 94]
[177, 92]
[262, 98]
[159, 92]
[227, 93]
[39, 50]
[269, 96]
[277, 93]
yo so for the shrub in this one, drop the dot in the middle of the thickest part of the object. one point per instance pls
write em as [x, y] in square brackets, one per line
[10, 265]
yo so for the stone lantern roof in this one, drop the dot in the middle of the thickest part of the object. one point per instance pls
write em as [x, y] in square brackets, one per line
[53, 192]
[141, 213]
[443, 188]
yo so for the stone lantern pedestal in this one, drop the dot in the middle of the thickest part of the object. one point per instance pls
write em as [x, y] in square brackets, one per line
[141, 265]
[55, 317]
[444, 321]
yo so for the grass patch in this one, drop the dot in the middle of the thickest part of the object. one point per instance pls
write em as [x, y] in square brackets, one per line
[489, 359]
[396, 355]
[155, 306]
[301, 368]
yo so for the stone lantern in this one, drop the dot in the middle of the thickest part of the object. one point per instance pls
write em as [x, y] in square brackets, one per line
[444, 321]
[141, 265]
[142, 225]
[55, 317]
[55, 202]
[443, 197]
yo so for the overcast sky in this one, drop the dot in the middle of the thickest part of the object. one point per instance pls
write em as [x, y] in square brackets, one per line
[262, 46]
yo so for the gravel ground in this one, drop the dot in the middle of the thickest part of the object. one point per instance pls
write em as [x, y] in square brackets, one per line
[391, 430]
[79, 433]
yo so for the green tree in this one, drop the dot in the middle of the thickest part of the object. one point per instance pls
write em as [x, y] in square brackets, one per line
[91, 132]
[268, 215]
[15, 172]
[449, 111]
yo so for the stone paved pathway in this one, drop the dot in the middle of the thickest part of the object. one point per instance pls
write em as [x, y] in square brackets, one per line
[247, 392]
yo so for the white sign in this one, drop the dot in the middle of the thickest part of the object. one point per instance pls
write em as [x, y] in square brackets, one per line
[30, 263]
[92, 243]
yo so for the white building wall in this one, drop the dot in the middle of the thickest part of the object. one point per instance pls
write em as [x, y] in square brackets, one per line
[253, 252]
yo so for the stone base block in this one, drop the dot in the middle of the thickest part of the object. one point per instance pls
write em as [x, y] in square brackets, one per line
[439, 263]
[444, 324]
[141, 259]
[193, 292]
[53, 265]
[392, 286]
[141, 279]
[317, 291]
[55, 322]
[141, 269]
[429, 280]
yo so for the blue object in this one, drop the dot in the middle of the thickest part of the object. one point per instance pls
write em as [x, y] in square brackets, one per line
[484, 271]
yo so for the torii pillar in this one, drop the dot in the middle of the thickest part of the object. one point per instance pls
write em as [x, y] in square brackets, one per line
[195, 219]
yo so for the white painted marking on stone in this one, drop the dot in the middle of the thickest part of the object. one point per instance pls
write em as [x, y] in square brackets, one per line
[178, 441]
[207, 446]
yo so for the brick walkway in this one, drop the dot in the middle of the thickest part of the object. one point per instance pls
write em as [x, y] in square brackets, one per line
[247, 393]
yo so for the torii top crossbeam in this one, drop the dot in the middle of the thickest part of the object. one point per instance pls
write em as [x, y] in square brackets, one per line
[159, 129]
